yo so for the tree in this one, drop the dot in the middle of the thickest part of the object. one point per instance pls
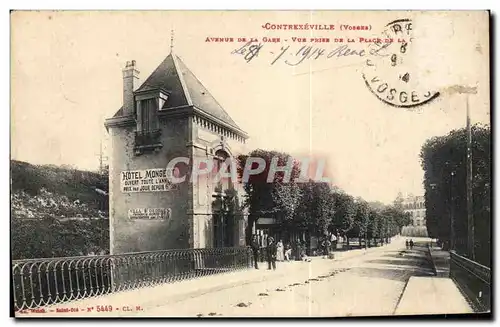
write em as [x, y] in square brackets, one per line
[279, 198]
[316, 209]
[286, 197]
[362, 219]
[345, 211]
[373, 224]
[443, 160]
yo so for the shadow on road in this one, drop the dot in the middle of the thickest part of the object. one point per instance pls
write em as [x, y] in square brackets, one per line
[397, 265]
[401, 274]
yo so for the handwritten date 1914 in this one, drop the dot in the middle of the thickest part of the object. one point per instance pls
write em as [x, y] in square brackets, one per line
[293, 58]
[313, 53]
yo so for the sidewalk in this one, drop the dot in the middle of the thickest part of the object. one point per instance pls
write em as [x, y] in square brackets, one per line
[161, 295]
[431, 295]
[441, 261]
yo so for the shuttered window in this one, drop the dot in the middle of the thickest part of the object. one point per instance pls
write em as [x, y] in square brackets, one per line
[149, 119]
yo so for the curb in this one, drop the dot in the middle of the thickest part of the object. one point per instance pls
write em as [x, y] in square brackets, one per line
[429, 251]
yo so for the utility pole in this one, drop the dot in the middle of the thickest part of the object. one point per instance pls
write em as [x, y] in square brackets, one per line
[470, 216]
[464, 89]
[452, 214]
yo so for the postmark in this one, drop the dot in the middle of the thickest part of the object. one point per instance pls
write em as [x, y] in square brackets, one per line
[389, 73]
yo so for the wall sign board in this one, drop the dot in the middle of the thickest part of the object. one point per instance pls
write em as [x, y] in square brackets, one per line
[149, 180]
[149, 213]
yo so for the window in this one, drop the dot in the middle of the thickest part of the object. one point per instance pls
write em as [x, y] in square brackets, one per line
[148, 117]
[219, 158]
[148, 133]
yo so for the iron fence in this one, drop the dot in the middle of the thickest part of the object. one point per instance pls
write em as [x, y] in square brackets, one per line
[473, 279]
[41, 282]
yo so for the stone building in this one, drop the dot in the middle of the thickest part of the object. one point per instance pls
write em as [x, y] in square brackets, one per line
[415, 205]
[171, 115]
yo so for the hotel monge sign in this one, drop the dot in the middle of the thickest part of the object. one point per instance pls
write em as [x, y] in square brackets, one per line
[149, 180]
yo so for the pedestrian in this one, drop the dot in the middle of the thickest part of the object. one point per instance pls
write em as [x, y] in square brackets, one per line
[255, 250]
[271, 253]
[333, 242]
[288, 252]
[326, 246]
[411, 244]
[280, 254]
[407, 245]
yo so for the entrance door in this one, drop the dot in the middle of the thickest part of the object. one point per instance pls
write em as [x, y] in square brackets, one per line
[223, 230]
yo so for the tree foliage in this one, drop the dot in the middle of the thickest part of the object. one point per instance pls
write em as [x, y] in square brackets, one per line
[276, 199]
[443, 160]
[315, 207]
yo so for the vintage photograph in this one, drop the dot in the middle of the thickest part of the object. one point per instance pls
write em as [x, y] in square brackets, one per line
[215, 164]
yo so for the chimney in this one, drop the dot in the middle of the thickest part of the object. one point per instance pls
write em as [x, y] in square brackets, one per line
[130, 84]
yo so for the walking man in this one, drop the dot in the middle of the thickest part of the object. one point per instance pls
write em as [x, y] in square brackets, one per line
[271, 253]
[407, 245]
[411, 244]
[255, 251]
[333, 242]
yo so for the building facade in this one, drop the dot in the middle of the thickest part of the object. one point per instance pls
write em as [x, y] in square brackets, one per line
[415, 205]
[170, 116]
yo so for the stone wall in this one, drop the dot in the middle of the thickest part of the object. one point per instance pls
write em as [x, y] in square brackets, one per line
[128, 235]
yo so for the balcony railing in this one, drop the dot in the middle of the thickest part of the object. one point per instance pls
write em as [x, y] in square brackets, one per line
[473, 279]
[41, 282]
[147, 140]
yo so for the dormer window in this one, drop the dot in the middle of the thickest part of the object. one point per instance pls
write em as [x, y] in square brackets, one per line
[148, 134]
[147, 117]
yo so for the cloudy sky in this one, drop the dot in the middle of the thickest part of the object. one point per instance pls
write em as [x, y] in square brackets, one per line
[66, 79]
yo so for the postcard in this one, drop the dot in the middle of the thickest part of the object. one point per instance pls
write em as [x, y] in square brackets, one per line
[222, 164]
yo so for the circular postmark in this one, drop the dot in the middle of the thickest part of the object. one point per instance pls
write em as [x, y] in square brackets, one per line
[388, 74]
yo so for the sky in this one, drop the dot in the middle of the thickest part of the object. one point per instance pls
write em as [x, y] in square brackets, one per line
[66, 80]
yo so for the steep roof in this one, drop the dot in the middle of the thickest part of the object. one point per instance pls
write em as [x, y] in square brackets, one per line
[185, 89]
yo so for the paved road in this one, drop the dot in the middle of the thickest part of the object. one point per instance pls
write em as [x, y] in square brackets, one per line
[370, 284]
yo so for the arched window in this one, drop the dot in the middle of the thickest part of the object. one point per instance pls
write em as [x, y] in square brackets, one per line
[223, 218]
[219, 158]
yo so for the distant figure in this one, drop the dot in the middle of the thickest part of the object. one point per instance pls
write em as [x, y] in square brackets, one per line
[255, 250]
[411, 244]
[333, 242]
[407, 244]
[288, 252]
[271, 253]
[328, 246]
[280, 255]
[264, 240]
[323, 249]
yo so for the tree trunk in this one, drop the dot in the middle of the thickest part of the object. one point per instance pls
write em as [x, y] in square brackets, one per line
[308, 242]
[249, 228]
